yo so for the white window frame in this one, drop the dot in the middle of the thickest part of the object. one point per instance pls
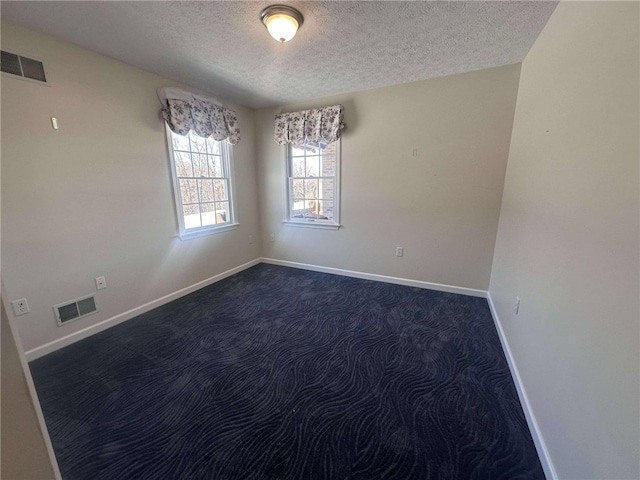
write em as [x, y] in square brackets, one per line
[227, 167]
[307, 222]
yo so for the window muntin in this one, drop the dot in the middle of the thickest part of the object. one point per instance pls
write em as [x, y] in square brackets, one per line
[202, 183]
[313, 184]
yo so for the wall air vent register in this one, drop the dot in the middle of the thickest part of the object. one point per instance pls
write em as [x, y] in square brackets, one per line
[75, 309]
[22, 67]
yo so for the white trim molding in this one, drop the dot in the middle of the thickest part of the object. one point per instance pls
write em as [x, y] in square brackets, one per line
[129, 314]
[47, 348]
[379, 278]
[326, 226]
[536, 434]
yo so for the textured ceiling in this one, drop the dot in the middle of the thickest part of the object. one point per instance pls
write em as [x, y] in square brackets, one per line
[223, 48]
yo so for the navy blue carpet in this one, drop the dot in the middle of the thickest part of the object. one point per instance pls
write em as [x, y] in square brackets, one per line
[279, 373]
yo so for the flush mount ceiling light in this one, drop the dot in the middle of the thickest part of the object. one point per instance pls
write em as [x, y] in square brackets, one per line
[282, 21]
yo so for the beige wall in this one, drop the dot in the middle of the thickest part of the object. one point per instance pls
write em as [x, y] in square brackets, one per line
[94, 198]
[24, 454]
[442, 206]
[568, 239]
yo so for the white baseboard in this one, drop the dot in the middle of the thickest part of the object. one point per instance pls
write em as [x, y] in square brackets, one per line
[541, 448]
[129, 314]
[110, 322]
[543, 453]
[380, 278]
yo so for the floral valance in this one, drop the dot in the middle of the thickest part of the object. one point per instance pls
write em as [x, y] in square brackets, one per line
[309, 127]
[184, 111]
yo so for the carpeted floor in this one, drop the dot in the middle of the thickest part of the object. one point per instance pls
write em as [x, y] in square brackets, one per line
[279, 373]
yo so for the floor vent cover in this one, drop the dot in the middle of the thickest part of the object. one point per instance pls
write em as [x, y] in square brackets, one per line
[75, 309]
[22, 67]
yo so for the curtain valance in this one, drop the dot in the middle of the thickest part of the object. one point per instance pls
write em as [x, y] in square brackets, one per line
[184, 111]
[315, 126]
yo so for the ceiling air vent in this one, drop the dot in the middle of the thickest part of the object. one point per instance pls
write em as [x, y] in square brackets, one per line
[75, 309]
[22, 67]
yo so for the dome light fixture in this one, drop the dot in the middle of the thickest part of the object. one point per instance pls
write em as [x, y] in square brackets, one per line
[281, 21]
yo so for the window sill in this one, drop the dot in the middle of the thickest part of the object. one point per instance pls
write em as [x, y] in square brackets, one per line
[312, 224]
[207, 231]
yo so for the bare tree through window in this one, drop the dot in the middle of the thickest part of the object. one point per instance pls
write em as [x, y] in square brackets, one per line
[202, 176]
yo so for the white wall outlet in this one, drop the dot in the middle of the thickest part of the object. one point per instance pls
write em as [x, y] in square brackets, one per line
[399, 251]
[101, 283]
[20, 307]
[272, 237]
[250, 239]
[516, 306]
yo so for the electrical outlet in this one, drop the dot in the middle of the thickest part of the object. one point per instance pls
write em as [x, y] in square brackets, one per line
[20, 307]
[399, 251]
[101, 283]
[516, 306]
[250, 239]
[272, 237]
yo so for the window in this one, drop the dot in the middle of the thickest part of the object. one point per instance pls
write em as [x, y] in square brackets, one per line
[203, 186]
[313, 176]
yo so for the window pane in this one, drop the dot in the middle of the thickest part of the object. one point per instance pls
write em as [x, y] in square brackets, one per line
[326, 186]
[189, 191]
[220, 190]
[215, 166]
[222, 212]
[328, 166]
[297, 167]
[313, 168]
[180, 142]
[327, 209]
[297, 152]
[313, 206]
[202, 173]
[312, 182]
[206, 190]
[208, 214]
[331, 149]
[297, 209]
[198, 144]
[191, 216]
[213, 147]
[183, 164]
[297, 188]
[199, 165]
[310, 188]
